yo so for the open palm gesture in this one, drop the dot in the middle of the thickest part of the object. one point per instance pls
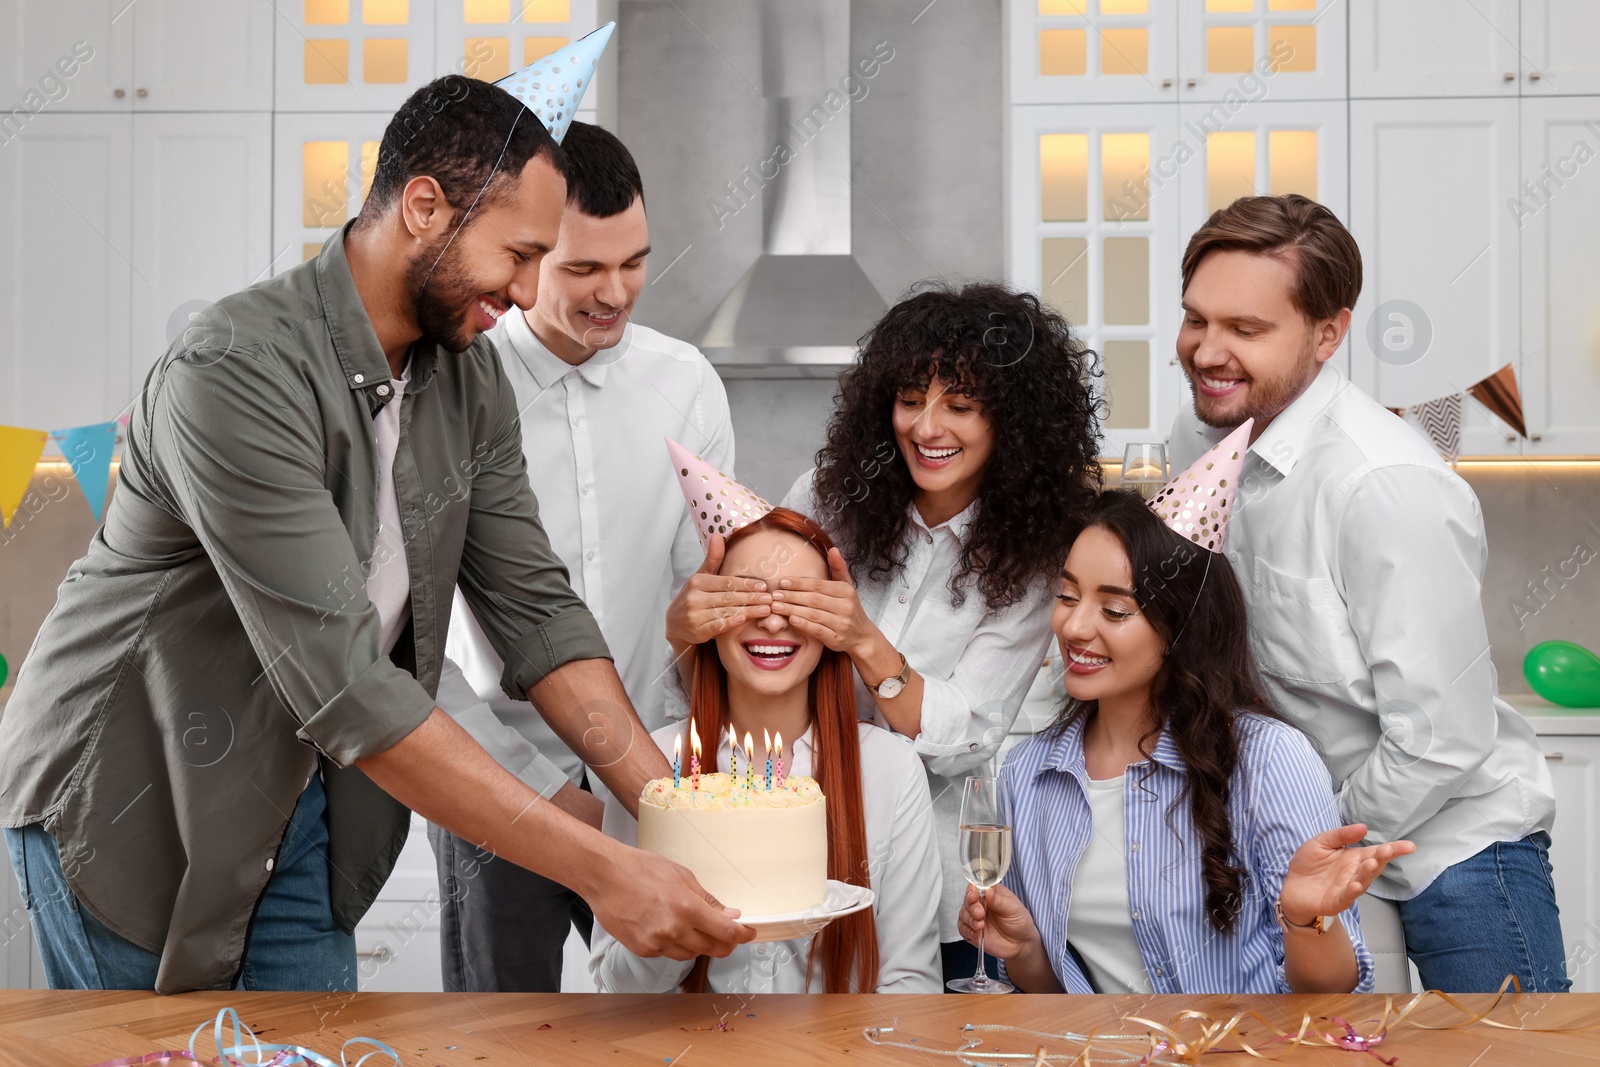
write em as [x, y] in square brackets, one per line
[1328, 872]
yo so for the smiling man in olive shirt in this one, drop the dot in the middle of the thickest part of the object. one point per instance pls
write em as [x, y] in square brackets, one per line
[207, 761]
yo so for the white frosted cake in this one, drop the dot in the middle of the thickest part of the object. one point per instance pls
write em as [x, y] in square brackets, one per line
[762, 851]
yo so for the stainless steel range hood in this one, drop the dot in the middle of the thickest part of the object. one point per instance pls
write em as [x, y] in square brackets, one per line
[806, 300]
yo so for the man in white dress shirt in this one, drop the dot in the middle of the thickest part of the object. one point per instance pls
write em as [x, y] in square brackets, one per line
[598, 396]
[1361, 555]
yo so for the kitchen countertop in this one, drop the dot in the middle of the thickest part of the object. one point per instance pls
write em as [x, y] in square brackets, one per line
[1548, 718]
[82, 1028]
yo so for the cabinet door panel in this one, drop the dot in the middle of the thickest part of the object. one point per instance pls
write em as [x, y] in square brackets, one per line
[1439, 305]
[65, 265]
[1557, 214]
[199, 55]
[1079, 51]
[40, 43]
[203, 186]
[1254, 49]
[1433, 48]
[1558, 47]
[1575, 768]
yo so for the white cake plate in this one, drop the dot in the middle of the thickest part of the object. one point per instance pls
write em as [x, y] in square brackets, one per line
[841, 899]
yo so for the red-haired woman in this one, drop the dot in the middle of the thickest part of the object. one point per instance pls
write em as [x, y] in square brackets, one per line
[765, 675]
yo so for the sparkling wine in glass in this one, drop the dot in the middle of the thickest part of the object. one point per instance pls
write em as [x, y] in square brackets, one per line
[984, 852]
[1144, 468]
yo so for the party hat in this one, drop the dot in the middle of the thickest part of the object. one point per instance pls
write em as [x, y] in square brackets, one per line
[552, 85]
[718, 504]
[1198, 502]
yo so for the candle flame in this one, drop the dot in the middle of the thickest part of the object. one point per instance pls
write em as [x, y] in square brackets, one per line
[749, 747]
[694, 739]
[766, 739]
[779, 745]
[733, 739]
[677, 748]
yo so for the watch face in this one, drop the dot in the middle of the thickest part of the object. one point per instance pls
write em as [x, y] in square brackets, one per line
[891, 688]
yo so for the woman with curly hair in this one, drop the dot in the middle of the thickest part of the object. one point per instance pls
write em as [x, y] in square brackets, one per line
[961, 444]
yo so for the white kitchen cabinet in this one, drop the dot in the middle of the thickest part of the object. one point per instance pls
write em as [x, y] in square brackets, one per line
[1558, 47]
[1556, 212]
[1092, 203]
[322, 166]
[1439, 307]
[90, 284]
[1228, 49]
[354, 55]
[1414, 48]
[1083, 51]
[66, 271]
[1574, 762]
[199, 55]
[202, 231]
[36, 37]
[397, 941]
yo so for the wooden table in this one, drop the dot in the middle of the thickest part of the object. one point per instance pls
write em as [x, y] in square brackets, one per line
[80, 1028]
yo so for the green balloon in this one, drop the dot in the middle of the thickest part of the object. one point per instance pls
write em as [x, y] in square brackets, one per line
[1564, 673]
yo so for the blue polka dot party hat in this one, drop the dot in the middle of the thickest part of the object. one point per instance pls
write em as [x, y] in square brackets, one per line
[552, 85]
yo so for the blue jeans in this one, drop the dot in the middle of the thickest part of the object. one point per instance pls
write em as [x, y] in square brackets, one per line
[293, 942]
[1488, 916]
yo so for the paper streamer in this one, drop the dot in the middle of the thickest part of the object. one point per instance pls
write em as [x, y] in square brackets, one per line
[246, 1050]
[88, 450]
[1191, 1034]
[20, 450]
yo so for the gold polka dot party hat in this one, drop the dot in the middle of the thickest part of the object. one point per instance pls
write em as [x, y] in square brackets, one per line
[1198, 503]
[717, 503]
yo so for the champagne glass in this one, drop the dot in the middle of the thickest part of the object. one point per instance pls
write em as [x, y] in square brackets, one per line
[1144, 468]
[984, 852]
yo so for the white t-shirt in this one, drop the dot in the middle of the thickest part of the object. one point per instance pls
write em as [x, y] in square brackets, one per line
[389, 581]
[1099, 925]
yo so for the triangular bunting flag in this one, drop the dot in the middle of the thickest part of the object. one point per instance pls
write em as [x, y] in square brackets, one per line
[1441, 421]
[20, 450]
[88, 449]
[1498, 392]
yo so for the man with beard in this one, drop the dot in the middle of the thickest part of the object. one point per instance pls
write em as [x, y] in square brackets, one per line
[1362, 556]
[207, 762]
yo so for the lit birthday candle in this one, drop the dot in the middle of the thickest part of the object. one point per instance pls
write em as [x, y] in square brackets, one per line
[779, 743]
[694, 756]
[766, 739]
[733, 753]
[749, 761]
[677, 758]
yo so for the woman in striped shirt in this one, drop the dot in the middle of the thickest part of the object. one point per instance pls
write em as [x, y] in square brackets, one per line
[1172, 832]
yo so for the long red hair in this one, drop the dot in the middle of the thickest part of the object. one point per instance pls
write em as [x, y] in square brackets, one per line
[847, 948]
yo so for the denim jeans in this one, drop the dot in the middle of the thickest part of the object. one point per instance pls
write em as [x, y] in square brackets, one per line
[1488, 916]
[293, 942]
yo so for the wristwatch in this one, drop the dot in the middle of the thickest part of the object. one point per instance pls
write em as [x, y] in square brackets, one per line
[890, 687]
[1320, 924]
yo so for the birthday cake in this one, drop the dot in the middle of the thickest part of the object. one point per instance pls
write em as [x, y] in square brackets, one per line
[763, 851]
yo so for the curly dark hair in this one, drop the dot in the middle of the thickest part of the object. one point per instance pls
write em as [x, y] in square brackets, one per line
[1022, 361]
[1192, 598]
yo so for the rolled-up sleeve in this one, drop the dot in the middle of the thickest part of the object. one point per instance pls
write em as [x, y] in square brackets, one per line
[967, 714]
[516, 585]
[240, 452]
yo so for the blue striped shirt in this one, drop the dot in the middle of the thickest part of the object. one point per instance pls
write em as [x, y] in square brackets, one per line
[1281, 797]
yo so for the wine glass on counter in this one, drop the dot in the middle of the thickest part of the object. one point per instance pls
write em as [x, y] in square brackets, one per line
[1144, 468]
[984, 851]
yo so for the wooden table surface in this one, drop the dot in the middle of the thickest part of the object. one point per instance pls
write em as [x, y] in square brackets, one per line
[80, 1028]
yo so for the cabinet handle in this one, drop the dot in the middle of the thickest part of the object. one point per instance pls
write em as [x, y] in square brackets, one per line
[382, 953]
[1536, 437]
[119, 93]
[143, 92]
[1189, 84]
[1553, 756]
[1511, 76]
[1166, 83]
[1534, 76]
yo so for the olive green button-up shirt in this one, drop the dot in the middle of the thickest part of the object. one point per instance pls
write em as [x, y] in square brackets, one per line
[217, 639]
